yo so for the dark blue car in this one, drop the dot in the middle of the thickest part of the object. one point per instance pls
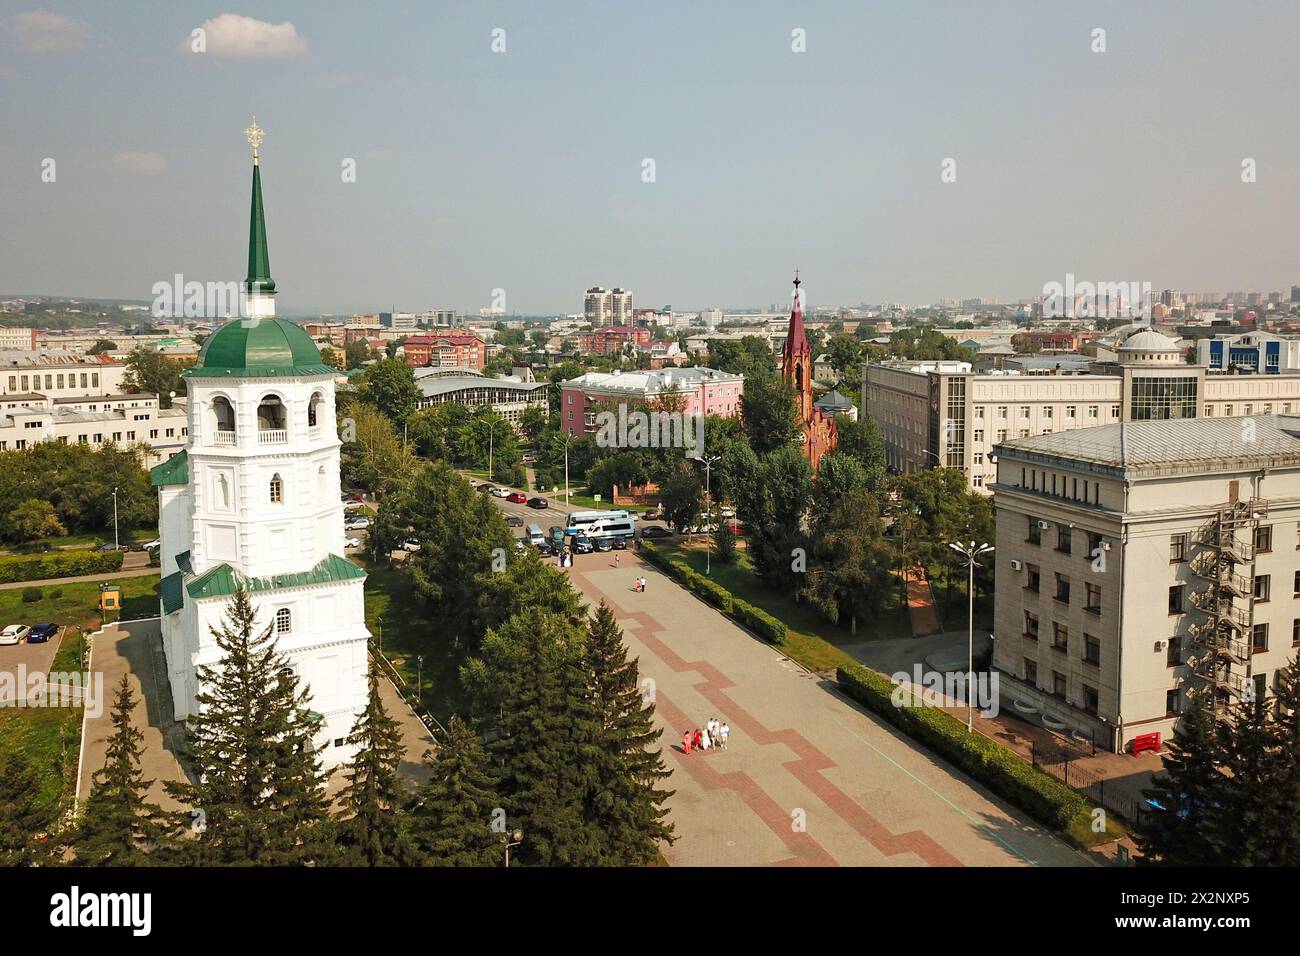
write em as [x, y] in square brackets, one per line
[41, 633]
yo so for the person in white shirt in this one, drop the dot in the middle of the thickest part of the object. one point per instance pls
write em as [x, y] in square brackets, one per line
[723, 733]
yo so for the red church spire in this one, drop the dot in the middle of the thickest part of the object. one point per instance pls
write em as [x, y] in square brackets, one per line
[796, 340]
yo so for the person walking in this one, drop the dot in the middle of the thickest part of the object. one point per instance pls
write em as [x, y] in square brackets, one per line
[686, 742]
[616, 557]
[723, 733]
[698, 739]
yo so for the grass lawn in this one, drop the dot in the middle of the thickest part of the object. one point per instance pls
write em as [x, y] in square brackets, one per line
[50, 738]
[813, 641]
[405, 629]
[77, 603]
[74, 542]
[1081, 834]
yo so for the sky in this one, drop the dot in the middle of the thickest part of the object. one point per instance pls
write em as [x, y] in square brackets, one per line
[521, 172]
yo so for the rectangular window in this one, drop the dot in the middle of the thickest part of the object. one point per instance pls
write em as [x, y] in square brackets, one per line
[1031, 625]
[1094, 599]
[1034, 578]
[1259, 638]
[1060, 684]
[1263, 586]
[1176, 599]
[1174, 651]
[1171, 702]
[1094, 542]
[1177, 548]
[1295, 632]
[1002, 411]
[1091, 650]
[1063, 538]
[1060, 637]
[979, 434]
[1264, 538]
[1092, 412]
[1090, 700]
[1002, 434]
[1069, 412]
[1062, 589]
[1047, 411]
[1024, 411]
[1031, 672]
[1035, 532]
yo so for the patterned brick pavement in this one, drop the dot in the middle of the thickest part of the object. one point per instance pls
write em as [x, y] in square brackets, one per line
[798, 752]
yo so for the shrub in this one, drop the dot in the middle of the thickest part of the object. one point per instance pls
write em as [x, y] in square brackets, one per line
[759, 621]
[32, 595]
[58, 564]
[55, 594]
[1043, 797]
[155, 559]
[707, 588]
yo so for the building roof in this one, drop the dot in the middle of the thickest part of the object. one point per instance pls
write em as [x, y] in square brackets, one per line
[174, 471]
[259, 258]
[223, 580]
[259, 348]
[650, 381]
[431, 386]
[1179, 446]
[833, 402]
[1149, 340]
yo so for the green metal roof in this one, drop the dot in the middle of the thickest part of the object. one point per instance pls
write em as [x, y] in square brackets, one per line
[184, 563]
[223, 580]
[174, 471]
[259, 348]
[259, 257]
[170, 590]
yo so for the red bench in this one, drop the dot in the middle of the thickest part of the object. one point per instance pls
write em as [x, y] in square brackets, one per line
[1145, 742]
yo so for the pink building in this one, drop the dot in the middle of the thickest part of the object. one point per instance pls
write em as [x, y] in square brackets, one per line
[704, 390]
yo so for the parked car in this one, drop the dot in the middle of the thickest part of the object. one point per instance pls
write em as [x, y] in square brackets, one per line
[514, 521]
[727, 512]
[620, 544]
[355, 497]
[351, 542]
[108, 546]
[539, 503]
[151, 545]
[410, 545]
[500, 492]
[737, 528]
[604, 544]
[14, 634]
[40, 633]
[582, 544]
[485, 487]
[356, 523]
[518, 497]
[655, 531]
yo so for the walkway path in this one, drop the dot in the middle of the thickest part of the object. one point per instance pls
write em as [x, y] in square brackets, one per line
[809, 777]
[920, 604]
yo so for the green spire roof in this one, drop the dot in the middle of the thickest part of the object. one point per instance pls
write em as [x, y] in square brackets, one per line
[259, 257]
[259, 348]
[174, 471]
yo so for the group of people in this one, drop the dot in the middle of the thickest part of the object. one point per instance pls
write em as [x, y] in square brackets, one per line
[640, 585]
[564, 559]
[714, 734]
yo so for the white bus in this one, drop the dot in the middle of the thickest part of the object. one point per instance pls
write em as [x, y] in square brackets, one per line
[602, 524]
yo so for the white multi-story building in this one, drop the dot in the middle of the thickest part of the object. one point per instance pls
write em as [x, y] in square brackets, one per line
[59, 375]
[1138, 560]
[943, 414]
[602, 306]
[253, 502]
[94, 420]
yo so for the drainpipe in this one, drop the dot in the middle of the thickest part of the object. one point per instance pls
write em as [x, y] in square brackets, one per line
[1118, 745]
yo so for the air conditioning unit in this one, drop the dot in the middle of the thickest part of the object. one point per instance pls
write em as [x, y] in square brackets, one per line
[1160, 646]
[1105, 546]
[1044, 525]
[1016, 565]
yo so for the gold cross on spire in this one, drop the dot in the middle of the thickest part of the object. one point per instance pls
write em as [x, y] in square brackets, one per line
[255, 134]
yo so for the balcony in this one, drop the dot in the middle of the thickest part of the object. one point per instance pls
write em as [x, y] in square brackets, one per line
[313, 432]
[222, 437]
[273, 436]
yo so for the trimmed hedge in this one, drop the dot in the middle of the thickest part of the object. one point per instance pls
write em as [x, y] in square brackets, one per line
[1003, 771]
[58, 564]
[757, 620]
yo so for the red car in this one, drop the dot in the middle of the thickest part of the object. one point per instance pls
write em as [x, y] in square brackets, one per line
[518, 497]
[736, 527]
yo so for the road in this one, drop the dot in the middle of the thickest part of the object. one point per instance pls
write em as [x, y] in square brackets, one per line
[809, 778]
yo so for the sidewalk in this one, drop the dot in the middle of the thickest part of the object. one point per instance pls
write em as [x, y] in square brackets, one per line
[920, 604]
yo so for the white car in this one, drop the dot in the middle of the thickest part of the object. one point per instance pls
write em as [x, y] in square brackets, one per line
[14, 634]
[728, 512]
[351, 542]
[410, 545]
[499, 492]
[356, 524]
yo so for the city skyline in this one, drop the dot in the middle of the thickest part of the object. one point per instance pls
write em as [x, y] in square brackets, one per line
[765, 158]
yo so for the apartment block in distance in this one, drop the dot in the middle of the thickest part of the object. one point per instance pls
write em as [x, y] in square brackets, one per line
[445, 350]
[701, 391]
[610, 339]
[1136, 561]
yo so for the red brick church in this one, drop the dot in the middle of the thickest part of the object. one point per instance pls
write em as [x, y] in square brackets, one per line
[818, 434]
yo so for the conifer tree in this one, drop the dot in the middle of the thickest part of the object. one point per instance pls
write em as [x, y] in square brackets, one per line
[21, 815]
[1191, 790]
[625, 806]
[373, 796]
[450, 823]
[1283, 822]
[1245, 802]
[528, 684]
[257, 792]
[119, 827]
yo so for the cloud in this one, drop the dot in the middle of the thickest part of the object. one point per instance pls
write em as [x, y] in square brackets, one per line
[40, 31]
[240, 37]
[143, 164]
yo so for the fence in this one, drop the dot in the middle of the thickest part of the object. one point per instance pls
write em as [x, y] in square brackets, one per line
[399, 682]
[1060, 764]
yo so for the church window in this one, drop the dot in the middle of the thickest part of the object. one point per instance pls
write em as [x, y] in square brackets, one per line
[277, 489]
[283, 620]
[315, 402]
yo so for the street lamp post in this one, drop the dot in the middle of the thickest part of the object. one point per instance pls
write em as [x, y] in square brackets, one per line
[117, 544]
[708, 500]
[513, 838]
[419, 678]
[970, 552]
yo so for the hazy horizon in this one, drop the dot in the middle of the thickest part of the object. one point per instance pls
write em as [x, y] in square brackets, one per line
[522, 170]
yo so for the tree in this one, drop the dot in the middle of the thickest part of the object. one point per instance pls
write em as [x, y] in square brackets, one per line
[680, 495]
[767, 408]
[333, 358]
[532, 421]
[529, 685]
[774, 504]
[119, 827]
[101, 346]
[748, 356]
[373, 458]
[849, 575]
[845, 353]
[371, 829]
[390, 387]
[154, 373]
[32, 519]
[258, 789]
[357, 353]
[21, 814]
[625, 805]
[861, 440]
[451, 820]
